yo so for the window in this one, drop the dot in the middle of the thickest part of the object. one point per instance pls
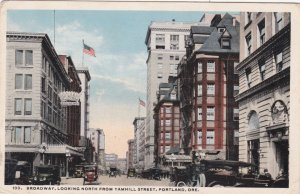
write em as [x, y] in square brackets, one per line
[199, 89]
[225, 43]
[49, 114]
[28, 57]
[159, 57]
[159, 75]
[248, 43]
[210, 89]
[210, 137]
[199, 114]
[173, 96]
[174, 46]
[43, 85]
[174, 38]
[278, 61]
[27, 134]
[279, 21]
[50, 93]
[210, 66]
[160, 65]
[261, 30]
[248, 17]
[18, 135]
[199, 135]
[248, 77]
[160, 39]
[236, 114]
[171, 57]
[262, 69]
[167, 136]
[168, 122]
[28, 82]
[18, 81]
[199, 67]
[236, 137]
[210, 113]
[27, 106]
[18, 106]
[168, 109]
[235, 64]
[167, 148]
[177, 58]
[236, 89]
[19, 57]
[161, 122]
[220, 30]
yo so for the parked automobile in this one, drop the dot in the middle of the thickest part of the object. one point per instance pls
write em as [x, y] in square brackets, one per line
[90, 173]
[79, 171]
[10, 171]
[131, 172]
[46, 175]
[23, 173]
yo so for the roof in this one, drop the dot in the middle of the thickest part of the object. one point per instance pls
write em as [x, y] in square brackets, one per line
[200, 39]
[201, 29]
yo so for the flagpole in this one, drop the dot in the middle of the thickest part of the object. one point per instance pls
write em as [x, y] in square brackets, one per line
[139, 109]
[82, 53]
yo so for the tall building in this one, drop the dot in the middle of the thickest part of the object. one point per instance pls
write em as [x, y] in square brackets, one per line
[166, 46]
[36, 127]
[131, 153]
[122, 165]
[139, 137]
[73, 112]
[207, 82]
[94, 136]
[85, 78]
[166, 114]
[101, 160]
[264, 98]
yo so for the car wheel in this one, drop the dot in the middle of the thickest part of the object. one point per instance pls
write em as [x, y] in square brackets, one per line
[217, 185]
[181, 184]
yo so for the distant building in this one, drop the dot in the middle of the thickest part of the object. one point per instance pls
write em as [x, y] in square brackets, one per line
[101, 160]
[94, 136]
[139, 137]
[122, 165]
[207, 83]
[264, 98]
[35, 122]
[166, 46]
[131, 153]
[85, 78]
[111, 160]
[167, 128]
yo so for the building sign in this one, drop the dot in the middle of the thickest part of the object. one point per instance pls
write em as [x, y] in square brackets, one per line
[69, 98]
[279, 113]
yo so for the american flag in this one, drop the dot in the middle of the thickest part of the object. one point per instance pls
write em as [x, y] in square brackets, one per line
[88, 50]
[142, 102]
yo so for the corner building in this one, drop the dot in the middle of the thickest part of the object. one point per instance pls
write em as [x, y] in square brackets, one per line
[207, 83]
[264, 98]
[166, 46]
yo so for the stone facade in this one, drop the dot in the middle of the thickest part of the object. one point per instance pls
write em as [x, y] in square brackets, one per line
[264, 98]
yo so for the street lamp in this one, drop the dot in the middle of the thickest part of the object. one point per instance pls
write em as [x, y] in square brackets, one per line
[67, 162]
[172, 159]
[42, 150]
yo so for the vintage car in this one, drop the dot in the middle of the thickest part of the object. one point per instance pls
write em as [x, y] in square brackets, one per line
[46, 175]
[152, 173]
[113, 171]
[23, 173]
[10, 171]
[222, 173]
[131, 172]
[79, 171]
[90, 174]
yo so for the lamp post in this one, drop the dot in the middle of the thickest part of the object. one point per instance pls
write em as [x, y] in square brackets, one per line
[42, 150]
[172, 160]
[67, 162]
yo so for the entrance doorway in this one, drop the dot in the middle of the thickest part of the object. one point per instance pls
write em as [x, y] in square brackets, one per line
[282, 156]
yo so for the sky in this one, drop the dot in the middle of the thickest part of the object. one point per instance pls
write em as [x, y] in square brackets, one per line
[118, 72]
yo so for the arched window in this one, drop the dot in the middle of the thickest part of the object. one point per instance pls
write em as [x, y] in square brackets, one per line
[253, 123]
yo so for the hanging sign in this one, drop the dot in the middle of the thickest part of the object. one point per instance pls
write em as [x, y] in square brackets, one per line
[69, 98]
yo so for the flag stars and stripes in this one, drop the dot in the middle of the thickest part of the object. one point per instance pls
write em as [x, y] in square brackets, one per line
[88, 50]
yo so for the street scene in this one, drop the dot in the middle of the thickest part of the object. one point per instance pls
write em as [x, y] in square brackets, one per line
[172, 99]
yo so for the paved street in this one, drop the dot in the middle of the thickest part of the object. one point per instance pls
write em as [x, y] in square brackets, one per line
[117, 181]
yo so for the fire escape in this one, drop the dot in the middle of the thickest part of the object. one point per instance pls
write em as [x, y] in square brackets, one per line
[186, 90]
